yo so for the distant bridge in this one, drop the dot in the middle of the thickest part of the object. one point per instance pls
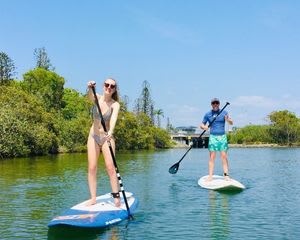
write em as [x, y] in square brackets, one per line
[187, 139]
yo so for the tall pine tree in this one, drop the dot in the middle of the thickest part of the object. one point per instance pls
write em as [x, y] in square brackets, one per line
[7, 68]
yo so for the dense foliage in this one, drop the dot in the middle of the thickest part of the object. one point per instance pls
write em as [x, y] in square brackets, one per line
[45, 85]
[39, 116]
[252, 134]
[136, 131]
[284, 129]
[25, 126]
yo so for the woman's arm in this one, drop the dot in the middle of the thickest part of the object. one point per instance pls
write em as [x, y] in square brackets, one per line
[114, 117]
[90, 94]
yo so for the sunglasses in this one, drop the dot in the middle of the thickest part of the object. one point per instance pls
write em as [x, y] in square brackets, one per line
[111, 86]
[213, 103]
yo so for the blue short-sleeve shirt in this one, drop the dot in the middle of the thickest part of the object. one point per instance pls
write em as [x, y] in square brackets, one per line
[218, 126]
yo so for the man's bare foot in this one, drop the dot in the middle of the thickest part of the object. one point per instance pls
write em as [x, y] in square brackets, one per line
[91, 202]
[226, 177]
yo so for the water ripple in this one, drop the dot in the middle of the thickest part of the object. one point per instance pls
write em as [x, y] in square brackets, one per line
[171, 206]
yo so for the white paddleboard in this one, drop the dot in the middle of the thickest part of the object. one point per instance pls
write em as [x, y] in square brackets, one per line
[101, 214]
[218, 183]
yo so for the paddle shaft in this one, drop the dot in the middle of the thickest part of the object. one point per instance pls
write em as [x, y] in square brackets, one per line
[214, 119]
[111, 152]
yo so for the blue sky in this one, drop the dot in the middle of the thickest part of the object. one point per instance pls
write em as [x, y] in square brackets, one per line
[244, 52]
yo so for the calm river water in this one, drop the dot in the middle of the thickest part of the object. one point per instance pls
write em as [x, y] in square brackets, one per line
[33, 190]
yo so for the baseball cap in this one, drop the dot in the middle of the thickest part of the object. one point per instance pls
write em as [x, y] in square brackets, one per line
[215, 100]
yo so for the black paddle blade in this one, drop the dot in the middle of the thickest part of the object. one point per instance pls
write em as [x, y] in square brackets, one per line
[174, 168]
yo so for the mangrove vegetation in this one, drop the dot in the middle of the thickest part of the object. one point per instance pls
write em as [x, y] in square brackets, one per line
[39, 115]
[283, 129]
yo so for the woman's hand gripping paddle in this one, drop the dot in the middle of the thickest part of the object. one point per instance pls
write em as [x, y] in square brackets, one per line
[175, 167]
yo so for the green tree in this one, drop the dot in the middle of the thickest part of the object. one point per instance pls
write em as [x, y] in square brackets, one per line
[158, 113]
[42, 59]
[74, 104]
[252, 134]
[162, 138]
[125, 102]
[73, 134]
[25, 127]
[131, 132]
[45, 85]
[169, 127]
[144, 104]
[136, 131]
[7, 68]
[285, 127]
[75, 122]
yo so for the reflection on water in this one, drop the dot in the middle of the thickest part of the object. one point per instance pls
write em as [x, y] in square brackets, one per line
[219, 215]
[66, 233]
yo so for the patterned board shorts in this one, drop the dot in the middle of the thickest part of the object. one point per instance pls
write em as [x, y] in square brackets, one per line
[217, 143]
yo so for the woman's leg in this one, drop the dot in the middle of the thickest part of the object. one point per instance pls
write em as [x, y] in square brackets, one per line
[211, 164]
[225, 164]
[93, 155]
[111, 171]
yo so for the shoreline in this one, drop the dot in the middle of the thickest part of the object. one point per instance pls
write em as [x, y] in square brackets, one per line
[235, 145]
[261, 145]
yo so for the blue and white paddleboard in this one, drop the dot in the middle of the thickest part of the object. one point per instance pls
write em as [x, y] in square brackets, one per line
[101, 214]
[218, 183]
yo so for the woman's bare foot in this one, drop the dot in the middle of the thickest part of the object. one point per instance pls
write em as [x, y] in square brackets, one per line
[91, 202]
[209, 178]
[117, 202]
[117, 199]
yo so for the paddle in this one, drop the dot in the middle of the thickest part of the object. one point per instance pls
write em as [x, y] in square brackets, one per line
[175, 167]
[112, 153]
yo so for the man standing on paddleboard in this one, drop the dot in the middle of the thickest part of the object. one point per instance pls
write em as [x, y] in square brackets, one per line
[217, 137]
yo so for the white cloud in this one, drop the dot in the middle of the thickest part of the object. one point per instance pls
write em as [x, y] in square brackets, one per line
[184, 115]
[255, 109]
[254, 101]
[277, 16]
[286, 101]
[244, 110]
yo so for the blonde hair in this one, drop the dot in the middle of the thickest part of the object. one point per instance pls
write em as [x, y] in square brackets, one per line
[115, 95]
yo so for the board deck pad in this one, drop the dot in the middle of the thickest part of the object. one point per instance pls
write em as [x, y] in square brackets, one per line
[101, 214]
[218, 183]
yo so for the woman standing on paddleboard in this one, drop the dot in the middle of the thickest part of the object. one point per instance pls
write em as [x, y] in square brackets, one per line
[98, 139]
[217, 137]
